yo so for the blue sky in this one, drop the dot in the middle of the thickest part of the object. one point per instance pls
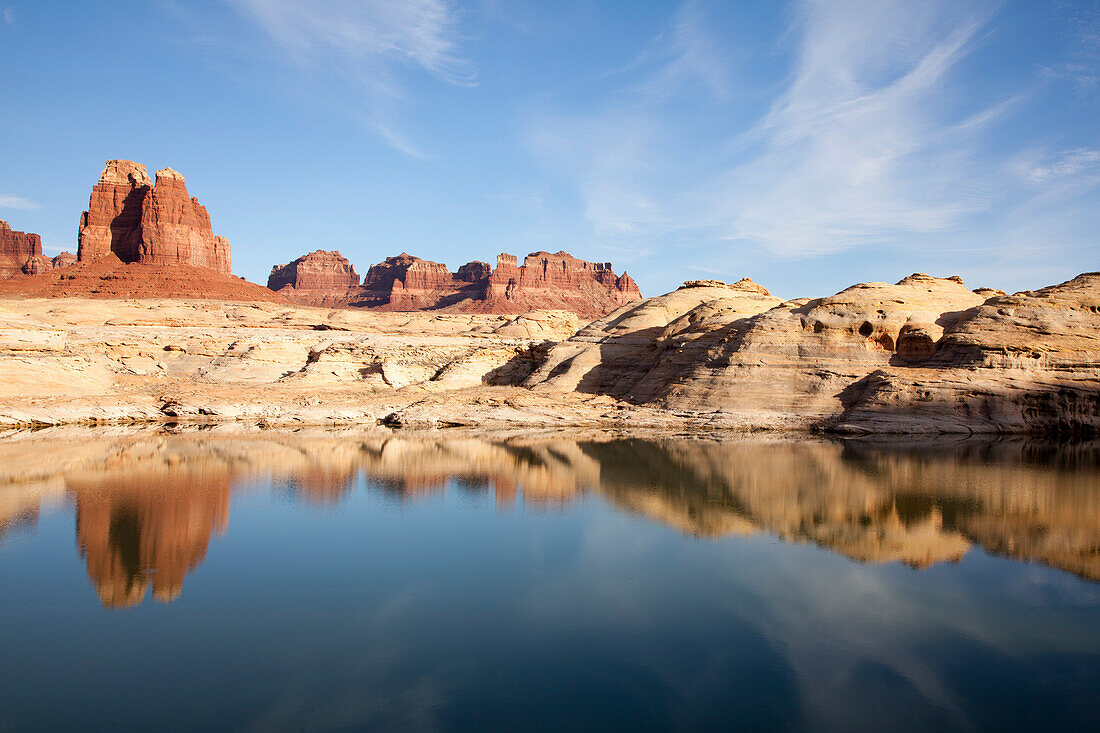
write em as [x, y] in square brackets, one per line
[808, 145]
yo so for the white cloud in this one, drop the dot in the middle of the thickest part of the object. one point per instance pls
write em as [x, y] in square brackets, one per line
[9, 15]
[1068, 163]
[369, 44]
[865, 142]
[7, 201]
[860, 145]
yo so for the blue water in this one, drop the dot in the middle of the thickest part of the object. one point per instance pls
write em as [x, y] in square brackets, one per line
[642, 599]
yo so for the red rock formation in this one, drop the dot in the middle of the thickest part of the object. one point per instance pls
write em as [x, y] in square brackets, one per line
[15, 249]
[558, 281]
[319, 278]
[157, 224]
[21, 254]
[37, 264]
[63, 260]
[407, 283]
[107, 277]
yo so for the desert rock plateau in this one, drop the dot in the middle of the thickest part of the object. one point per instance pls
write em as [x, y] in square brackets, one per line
[924, 355]
[149, 324]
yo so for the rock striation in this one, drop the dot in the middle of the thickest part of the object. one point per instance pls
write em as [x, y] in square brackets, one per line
[319, 278]
[406, 283]
[21, 254]
[141, 221]
[923, 355]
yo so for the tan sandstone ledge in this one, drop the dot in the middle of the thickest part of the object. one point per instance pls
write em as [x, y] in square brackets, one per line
[923, 355]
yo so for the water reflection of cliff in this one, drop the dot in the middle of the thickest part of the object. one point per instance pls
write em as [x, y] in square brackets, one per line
[147, 504]
[153, 527]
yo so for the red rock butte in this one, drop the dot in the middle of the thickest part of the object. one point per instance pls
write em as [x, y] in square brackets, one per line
[138, 239]
[150, 223]
[406, 283]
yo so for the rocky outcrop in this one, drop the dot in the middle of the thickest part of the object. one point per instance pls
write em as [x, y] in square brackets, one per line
[21, 254]
[319, 278]
[407, 283]
[1028, 362]
[15, 249]
[139, 221]
[63, 260]
[925, 355]
[922, 355]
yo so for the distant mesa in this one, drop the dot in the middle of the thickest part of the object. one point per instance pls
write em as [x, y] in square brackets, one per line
[319, 278]
[407, 283]
[21, 254]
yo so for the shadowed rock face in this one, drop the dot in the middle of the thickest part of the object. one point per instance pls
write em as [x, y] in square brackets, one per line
[406, 283]
[147, 505]
[140, 221]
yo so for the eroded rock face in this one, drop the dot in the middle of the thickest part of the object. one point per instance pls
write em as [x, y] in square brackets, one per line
[143, 222]
[319, 278]
[1028, 362]
[923, 355]
[407, 283]
[15, 249]
[21, 254]
[63, 260]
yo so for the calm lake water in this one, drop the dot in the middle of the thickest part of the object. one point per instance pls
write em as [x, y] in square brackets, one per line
[330, 581]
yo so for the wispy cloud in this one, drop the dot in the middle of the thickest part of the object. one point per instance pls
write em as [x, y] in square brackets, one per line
[369, 44]
[614, 154]
[860, 145]
[872, 138]
[8, 14]
[1067, 163]
[8, 201]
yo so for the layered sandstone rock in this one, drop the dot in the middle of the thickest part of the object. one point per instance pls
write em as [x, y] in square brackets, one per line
[922, 355]
[16, 248]
[408, 283]
[925, 354]
[21, 254]
[63, 260]
[139, 221]
[319, 278]
[1028, 362]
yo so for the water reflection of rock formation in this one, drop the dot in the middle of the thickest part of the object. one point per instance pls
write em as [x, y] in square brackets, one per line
[146, 507]
[148, 528]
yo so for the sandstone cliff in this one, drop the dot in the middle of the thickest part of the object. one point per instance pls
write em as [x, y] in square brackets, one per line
[408, 283]
[21, 254]
[139, 221]
[15, 249]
